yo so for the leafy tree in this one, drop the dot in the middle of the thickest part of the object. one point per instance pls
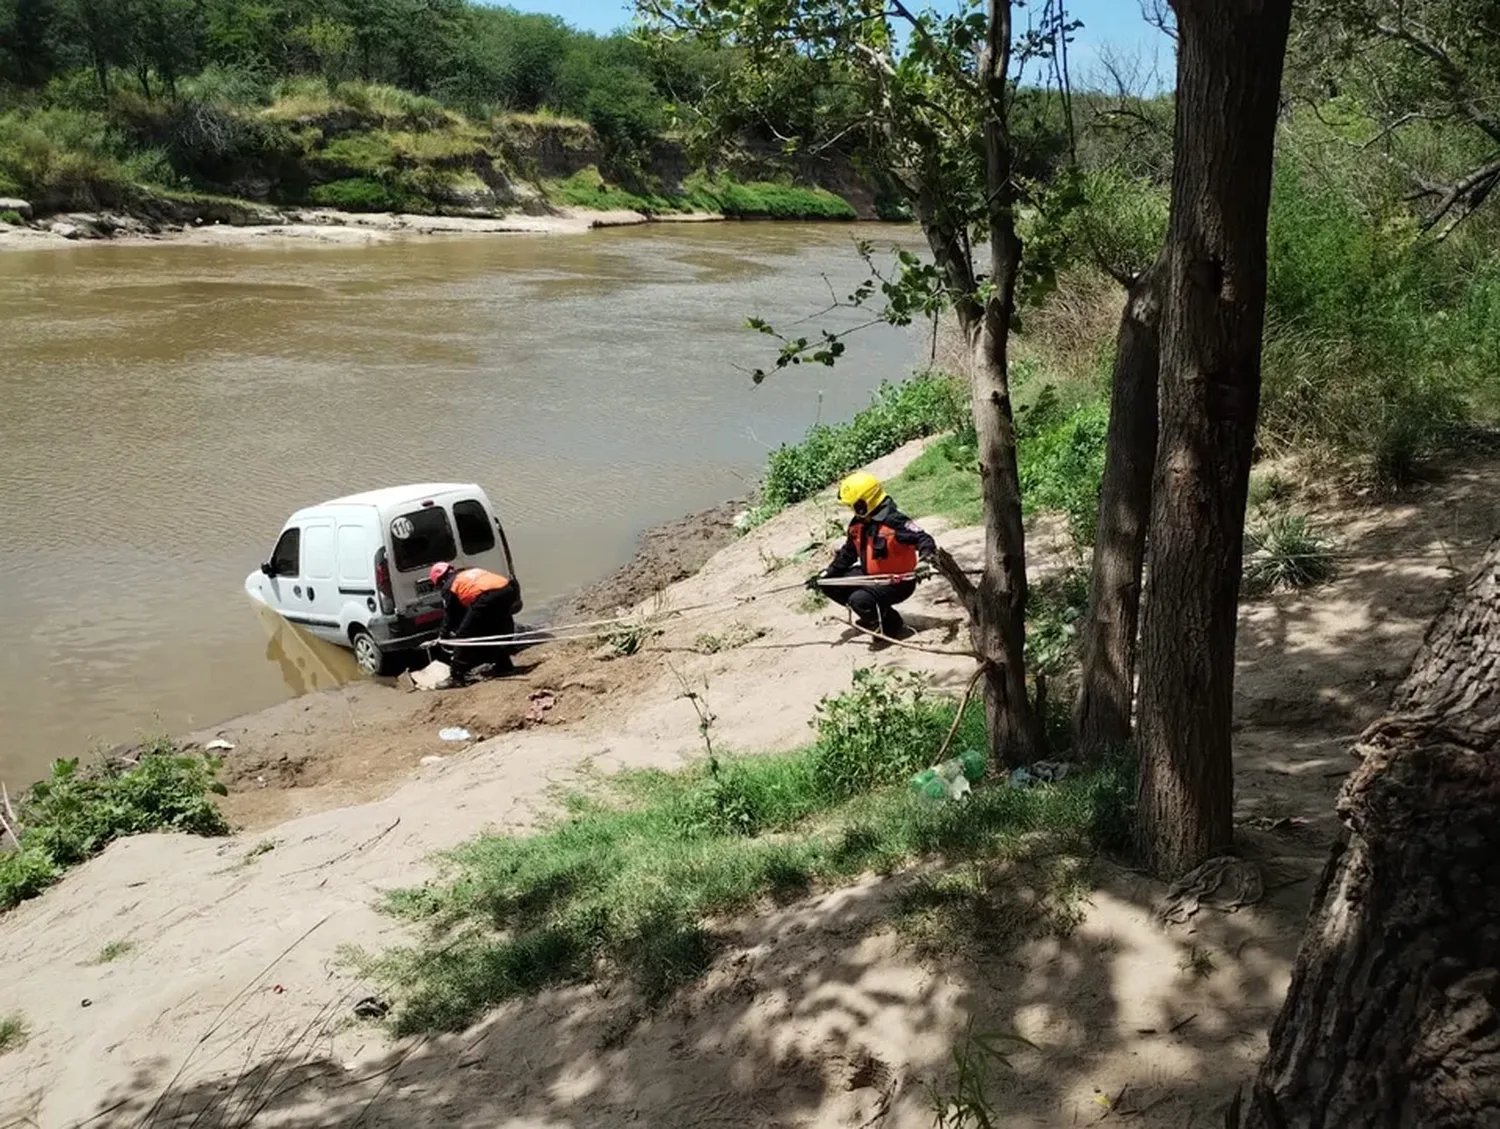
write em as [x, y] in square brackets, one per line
[1413, 84]
[935, 105]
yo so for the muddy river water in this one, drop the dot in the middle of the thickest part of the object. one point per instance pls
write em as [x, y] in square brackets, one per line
[164, 408]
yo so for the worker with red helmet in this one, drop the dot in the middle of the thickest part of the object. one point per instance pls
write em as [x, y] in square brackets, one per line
[477, 604]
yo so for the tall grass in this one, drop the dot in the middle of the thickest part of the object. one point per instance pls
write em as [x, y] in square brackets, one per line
[624, 881]
[73, 159]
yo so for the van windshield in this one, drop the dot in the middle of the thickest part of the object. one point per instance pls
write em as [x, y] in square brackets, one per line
[422, 538]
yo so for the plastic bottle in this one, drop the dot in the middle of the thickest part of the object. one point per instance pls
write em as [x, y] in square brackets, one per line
[950, 780]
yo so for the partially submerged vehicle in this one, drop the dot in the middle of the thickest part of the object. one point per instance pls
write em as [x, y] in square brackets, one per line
[354, 570]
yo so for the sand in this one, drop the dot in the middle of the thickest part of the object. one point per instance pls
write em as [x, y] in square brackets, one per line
[816, 1014]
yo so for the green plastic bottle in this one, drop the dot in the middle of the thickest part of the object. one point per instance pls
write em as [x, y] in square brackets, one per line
[973, 762]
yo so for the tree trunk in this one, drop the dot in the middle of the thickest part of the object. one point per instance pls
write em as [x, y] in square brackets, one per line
[1101, 715]
[1393, 1014]
[1229, 63]
[998, 616]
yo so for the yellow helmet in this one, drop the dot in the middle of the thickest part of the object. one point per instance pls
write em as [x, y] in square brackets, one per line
[861, 492]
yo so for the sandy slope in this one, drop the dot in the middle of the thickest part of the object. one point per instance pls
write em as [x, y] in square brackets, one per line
[816, 1015]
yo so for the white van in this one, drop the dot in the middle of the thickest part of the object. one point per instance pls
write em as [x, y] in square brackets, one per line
[354, 570]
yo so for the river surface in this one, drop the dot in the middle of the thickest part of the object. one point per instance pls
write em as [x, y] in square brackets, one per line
[164, 408]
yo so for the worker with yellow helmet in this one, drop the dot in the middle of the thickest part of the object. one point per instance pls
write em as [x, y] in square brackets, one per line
[884, 546]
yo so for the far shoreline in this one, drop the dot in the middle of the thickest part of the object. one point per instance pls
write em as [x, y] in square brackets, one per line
[323, 227]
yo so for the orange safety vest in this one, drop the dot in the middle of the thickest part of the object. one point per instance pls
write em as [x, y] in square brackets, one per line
[879, 551]
[472, 583]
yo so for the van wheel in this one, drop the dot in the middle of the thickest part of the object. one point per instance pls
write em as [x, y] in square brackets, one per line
[371, 658]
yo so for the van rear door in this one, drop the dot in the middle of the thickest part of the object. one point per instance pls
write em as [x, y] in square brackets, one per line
[418, 539]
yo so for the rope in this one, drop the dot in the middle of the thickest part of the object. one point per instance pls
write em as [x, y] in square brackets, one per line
[573, 632]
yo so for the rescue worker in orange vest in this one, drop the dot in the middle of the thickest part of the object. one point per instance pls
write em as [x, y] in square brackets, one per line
[883, 542]
[477, 604]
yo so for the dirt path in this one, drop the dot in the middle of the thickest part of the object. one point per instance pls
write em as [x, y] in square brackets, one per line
[815, 1015]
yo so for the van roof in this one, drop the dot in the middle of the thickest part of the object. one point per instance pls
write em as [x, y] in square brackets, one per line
[399, 495]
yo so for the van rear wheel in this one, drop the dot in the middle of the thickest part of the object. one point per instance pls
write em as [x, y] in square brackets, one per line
[371, 657]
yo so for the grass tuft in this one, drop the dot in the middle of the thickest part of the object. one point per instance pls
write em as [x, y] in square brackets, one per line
[1285, 551]
[113, 951]
[13, 1032]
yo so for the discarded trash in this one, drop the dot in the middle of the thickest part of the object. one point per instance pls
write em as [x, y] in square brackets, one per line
[1042, 772]
[372, 1007]
[218, 744]
[951, 780]
[455, 733]
[1223, 883]
[540, 702]
[432, 676]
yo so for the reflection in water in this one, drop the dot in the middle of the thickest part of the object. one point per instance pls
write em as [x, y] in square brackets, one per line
[307, 664]
[166, 408]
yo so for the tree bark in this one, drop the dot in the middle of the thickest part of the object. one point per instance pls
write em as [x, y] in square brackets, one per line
[1393, 1014]
[998, 614]
[1229, 64]
[1101, 714]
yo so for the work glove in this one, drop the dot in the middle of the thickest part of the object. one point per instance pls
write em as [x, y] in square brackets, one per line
[814, 580]
[925, 570]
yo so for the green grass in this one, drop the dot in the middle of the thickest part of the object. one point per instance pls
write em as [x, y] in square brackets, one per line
[587, 189]
[13, 1032]
[12, 219]
[73, 814]
[625, 882]
[943, 481]
[924, 405]
[113, 951]
[1060, 457]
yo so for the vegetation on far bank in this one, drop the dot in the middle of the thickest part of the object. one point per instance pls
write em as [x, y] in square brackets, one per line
[624, 879]
[79, 810]
[365, 105]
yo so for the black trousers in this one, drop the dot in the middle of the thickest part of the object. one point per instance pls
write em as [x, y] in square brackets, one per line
[493, 613]
[874, 607]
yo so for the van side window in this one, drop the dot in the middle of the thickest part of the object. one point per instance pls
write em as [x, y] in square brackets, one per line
[475, 532]
[287, 559]
[421, 538]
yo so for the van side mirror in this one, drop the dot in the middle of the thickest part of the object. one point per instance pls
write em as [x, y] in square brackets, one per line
[269, 568]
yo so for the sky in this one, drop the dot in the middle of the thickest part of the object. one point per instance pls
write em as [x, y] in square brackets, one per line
[1109, 26]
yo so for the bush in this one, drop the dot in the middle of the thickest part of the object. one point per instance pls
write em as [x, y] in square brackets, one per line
[880, 732]
[11, 219]
[902, 412]
[73, 815]
[764, 200]
[1377, 340]
[359, 194]
[61, 159]
[1060, 452]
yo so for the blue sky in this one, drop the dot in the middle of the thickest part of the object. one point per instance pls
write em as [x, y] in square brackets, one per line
[1109, 25]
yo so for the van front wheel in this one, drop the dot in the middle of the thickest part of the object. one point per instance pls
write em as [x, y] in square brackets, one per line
[372, 659]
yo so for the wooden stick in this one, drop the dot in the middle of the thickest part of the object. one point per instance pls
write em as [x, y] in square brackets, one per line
[975, 655]
[959, 716]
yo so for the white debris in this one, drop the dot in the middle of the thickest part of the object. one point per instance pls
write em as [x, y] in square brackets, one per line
[455, 733]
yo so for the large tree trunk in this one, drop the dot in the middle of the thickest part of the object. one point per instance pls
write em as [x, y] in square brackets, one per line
[1229, 62]
[1101, 715]
[1393, 1015]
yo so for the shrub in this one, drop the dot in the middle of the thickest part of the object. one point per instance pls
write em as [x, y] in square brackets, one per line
[1377, 340]
[11, 219]
[880, 732]
[61, 159]
[901, 412]
[13, 1032]
[764, 199]
[73, 815]
[359, 194]
[1060, 452]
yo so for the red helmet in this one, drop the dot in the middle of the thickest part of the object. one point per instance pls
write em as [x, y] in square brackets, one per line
[438, 571]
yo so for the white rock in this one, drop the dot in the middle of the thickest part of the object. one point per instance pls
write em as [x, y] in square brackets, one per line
[66, 230]
[22, 208]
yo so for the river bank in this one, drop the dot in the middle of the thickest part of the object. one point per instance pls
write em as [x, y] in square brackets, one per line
[315, 226]
[228, 972]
